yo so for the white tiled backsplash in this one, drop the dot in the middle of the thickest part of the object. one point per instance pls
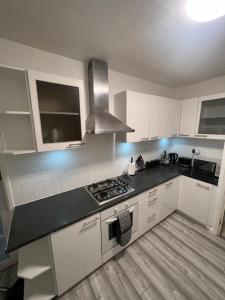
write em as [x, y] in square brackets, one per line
[35, 176]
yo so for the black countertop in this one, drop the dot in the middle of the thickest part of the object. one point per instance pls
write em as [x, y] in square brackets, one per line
[37, 219]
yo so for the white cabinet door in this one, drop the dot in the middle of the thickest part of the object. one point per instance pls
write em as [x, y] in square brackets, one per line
[148, 210]
[164, 117]
[210, 117]
[76, 252]
[189, 109]
[58, 110]
[138, 106]
[133, 108]
[169, 197]
[195, 198]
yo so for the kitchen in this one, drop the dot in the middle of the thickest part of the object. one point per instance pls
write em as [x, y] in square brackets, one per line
[51, 176]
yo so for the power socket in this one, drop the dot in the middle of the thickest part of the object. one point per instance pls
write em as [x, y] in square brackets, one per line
[196, 151]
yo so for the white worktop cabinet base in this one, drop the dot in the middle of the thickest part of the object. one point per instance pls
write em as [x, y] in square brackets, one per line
[76, 252]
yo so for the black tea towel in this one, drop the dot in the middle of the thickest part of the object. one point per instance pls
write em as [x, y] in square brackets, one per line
[124, 226]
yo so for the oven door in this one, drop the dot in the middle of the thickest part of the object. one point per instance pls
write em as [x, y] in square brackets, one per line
[108, 228]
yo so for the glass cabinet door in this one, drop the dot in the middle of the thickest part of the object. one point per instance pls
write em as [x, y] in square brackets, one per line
[59, 107]
[58, 110]
[212, 117]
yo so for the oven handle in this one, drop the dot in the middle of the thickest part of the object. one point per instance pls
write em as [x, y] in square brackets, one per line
[110, 221]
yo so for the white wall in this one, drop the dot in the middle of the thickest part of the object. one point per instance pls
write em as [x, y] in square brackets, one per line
[34, 176]
[38, 175]
[204, 88]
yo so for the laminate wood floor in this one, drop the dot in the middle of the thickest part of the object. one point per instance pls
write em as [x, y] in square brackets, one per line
[177, 259]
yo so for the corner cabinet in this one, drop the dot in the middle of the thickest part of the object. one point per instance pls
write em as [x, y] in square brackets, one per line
[195, 199]
[58, 110]
[211, 117]
[188, 116]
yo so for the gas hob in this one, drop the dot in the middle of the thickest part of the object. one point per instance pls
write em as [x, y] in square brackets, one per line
[108, 190]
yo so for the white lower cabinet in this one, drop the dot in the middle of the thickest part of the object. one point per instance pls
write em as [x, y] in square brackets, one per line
[76, 252]
[148, 211]
[195, 198]
[169, 197]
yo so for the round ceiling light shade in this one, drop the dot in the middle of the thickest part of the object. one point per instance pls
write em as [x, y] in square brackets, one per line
[205, 10]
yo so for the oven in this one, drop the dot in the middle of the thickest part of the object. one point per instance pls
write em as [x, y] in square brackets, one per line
[108, 226]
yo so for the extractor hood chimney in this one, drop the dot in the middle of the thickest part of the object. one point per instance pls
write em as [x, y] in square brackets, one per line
[100, 120]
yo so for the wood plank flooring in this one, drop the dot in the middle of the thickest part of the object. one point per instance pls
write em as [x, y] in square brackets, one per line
[178, 259]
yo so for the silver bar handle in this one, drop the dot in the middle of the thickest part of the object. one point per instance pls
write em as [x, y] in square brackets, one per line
[182, 134]
[71, 146]
[153, 192]
[203, 186]
[90, 223]
[151, 218]
[131, 209]
[152, 202]
[201, 135]
[144, 139]
[155, 137]
[111, 220]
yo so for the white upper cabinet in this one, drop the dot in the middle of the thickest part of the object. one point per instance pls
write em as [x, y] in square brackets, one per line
[58, 111]
[188, 115]
[164, 117]
[133, 109]
[211, 117]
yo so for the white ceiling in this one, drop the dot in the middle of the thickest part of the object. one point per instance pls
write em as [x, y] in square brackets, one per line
[150, 39]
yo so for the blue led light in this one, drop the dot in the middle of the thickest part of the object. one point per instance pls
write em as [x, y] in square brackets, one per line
[164, 142]
[58, 158]
[125, 148]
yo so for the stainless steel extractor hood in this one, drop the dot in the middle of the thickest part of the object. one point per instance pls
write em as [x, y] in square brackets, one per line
[100, 120]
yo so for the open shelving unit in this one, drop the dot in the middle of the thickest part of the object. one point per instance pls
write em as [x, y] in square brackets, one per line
[16, 124]
[36, 268]
[40, 288]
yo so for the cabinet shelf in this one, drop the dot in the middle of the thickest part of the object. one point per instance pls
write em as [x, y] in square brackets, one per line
[41, 297]
[12, 112]
[17, 152]
[212, 118]
[32, 271]
[59, 113]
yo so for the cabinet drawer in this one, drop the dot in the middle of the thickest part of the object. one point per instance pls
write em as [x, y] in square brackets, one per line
[169, 197]
[119, 207]
[153, 202]
[147, 219]
[148, 214]
[151, 194]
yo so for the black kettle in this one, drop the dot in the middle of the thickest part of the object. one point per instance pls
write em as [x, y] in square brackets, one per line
[173, 157]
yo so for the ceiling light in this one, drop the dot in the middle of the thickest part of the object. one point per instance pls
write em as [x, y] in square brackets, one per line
[205, 10]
